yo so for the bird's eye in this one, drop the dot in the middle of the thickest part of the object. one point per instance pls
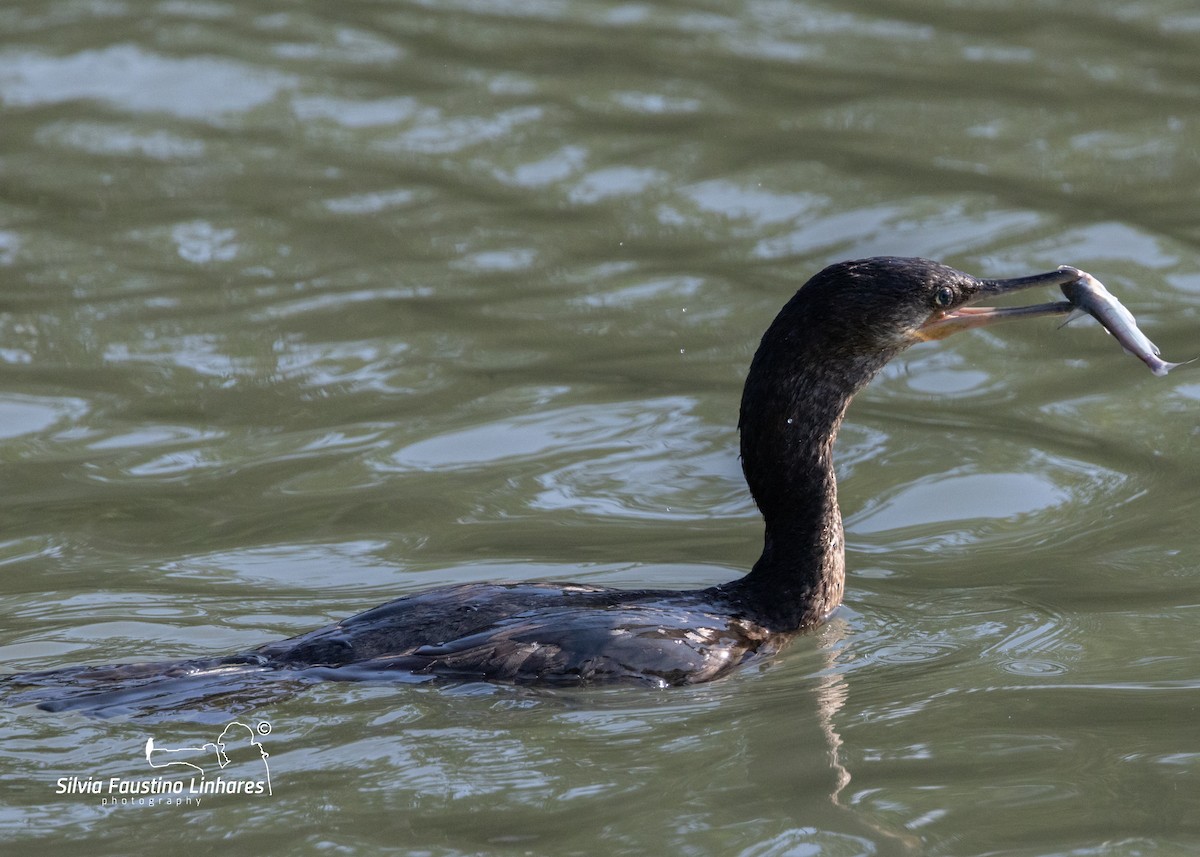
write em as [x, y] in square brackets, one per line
[943, 297]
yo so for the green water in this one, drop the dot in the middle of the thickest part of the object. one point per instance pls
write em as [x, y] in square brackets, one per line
[306, 306]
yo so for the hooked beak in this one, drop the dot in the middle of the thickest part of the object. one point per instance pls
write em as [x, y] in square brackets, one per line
[942, 324]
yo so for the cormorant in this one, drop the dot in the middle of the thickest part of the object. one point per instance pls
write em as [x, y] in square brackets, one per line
[827, 342]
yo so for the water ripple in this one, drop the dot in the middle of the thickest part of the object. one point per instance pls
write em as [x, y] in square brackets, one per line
[131, 78]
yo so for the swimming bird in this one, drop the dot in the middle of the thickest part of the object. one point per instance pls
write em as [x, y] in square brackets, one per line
[827, 342]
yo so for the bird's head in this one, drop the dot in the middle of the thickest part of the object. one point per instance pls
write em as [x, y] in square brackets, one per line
[884, 304]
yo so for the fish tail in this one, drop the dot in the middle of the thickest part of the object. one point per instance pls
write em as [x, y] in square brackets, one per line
[1167, 367]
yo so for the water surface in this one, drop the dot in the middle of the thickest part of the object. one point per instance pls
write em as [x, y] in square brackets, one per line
[306, 306]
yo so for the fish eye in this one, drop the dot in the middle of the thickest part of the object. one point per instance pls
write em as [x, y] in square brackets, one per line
[943, 297]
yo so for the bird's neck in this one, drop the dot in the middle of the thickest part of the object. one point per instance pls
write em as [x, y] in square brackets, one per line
[792, 407]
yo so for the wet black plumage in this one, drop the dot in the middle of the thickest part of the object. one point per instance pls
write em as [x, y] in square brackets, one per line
[826, 343]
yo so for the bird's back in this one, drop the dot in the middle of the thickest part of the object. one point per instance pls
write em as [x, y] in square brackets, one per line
[526, 633]
[534, 633]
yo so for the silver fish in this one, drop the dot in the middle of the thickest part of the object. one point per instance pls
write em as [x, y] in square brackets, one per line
[1089, 296]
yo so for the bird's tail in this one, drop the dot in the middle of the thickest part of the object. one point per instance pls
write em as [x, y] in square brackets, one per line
[222, 682]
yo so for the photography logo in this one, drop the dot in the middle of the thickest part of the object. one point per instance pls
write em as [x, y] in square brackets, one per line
[236, 763]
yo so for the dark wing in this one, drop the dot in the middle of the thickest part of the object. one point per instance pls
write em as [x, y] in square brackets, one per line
[401, 626]
[546, 633]
[657, 643]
